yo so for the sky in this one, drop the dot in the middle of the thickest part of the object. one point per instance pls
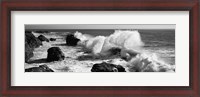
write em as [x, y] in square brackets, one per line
[97, 26]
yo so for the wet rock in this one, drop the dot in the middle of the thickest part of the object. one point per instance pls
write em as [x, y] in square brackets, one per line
[31, 40]
[71, 40]
[52, 39]
[106, 67]
[115, 51]
[43, 38]
[41, 68]
[55, 54]
[28, 52]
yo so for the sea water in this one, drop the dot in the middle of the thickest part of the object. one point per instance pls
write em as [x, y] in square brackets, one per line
[160, 43]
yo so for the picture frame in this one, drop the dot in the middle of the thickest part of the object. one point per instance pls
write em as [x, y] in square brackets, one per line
[193, 90]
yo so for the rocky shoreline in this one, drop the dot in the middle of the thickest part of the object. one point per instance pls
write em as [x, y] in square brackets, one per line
[75, 59]
[53, 52]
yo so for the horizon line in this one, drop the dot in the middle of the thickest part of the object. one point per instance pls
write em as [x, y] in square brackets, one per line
[98, 26]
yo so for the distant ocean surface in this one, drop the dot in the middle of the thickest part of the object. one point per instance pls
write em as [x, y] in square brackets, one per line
[160, 42]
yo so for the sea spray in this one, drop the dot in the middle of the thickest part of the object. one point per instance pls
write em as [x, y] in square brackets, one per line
[130, 43]
[129, 39]
[126, 40]
[149, 63]
[82, 37]
[95, 45]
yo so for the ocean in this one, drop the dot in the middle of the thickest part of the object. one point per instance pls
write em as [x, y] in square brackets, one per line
[158, 42]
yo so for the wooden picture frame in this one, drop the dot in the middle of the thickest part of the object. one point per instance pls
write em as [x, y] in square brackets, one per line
[193, 90]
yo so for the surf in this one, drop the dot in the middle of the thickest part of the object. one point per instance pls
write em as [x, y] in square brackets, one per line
[131, 49]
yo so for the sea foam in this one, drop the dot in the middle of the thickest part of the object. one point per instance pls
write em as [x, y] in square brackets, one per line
[129, 39]
[130, 43]
[149, 63]
[126, 40]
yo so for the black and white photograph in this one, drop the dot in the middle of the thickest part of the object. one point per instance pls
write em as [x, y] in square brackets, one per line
[99, 48]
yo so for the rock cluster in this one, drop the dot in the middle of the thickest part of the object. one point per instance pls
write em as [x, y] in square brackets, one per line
[41, 68]
[107, 67]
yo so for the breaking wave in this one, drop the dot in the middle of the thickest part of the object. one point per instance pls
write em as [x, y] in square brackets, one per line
[131, 45]
[149, 63]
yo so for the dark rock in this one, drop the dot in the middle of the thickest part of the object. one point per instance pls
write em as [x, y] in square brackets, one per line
[71, 40]
[120, 68]
[31, 40]
[115, 51]
[43, 38]
[28, 52]
[52, 39]
[106, 67]
[55, 54]
[41, 68]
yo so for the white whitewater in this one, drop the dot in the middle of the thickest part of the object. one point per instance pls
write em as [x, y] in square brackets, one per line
[130, 43]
